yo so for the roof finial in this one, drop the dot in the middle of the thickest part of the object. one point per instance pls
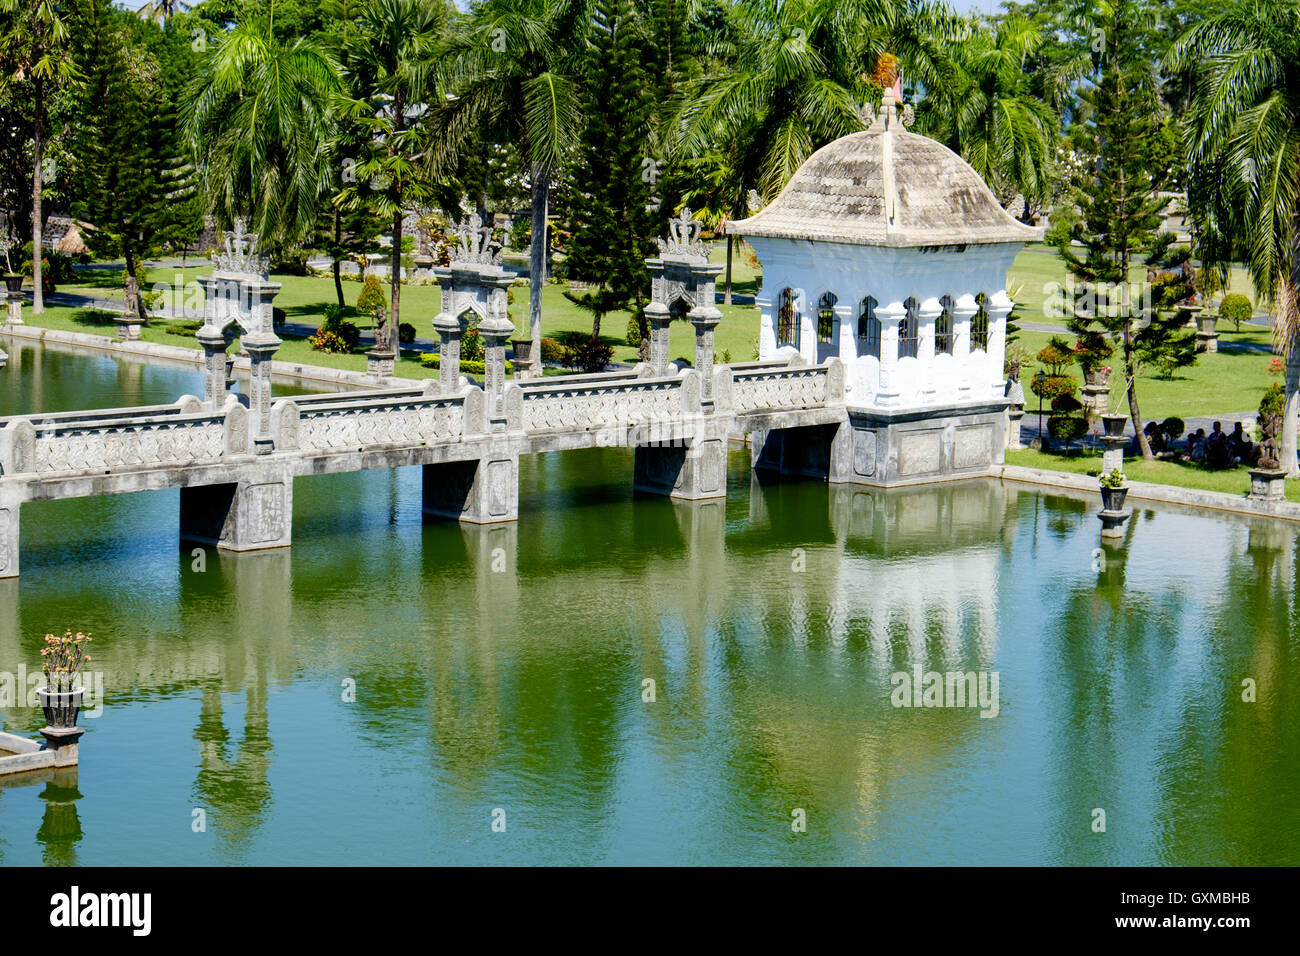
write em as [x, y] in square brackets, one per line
[887, 104]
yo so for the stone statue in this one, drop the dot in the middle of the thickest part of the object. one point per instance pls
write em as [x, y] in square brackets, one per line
[383, 331]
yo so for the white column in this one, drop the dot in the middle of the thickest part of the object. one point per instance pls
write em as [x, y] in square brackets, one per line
[999, 307]
[766, 326]
[890, 316]
[807, 325]
[963, 310]
[930, 310]
[848, 334]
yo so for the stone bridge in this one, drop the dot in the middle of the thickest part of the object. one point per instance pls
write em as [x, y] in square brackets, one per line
[237, 491]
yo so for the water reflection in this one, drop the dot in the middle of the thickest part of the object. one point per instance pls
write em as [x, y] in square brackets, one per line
[372, 694]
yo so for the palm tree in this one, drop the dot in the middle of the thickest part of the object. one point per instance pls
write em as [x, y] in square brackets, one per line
[35, 37]
[986, 111]
[1245, 125]
[256, 118]
[391, 58]
[802, 71]
[161, 11]
[513, 69]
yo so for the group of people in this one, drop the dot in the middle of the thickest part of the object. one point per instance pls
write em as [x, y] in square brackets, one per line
[1220, 449]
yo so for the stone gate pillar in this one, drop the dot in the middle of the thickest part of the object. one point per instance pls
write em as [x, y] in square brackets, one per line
[705, 321]
[448, 328]
[659, 319]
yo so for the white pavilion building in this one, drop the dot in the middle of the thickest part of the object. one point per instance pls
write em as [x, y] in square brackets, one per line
[887, 251]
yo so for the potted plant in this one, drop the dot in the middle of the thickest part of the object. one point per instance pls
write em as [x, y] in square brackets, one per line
[1114, 423]
[62, 659]
[13, 280]
[1113, 490]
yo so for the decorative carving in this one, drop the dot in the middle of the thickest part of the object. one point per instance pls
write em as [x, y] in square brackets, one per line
[4, 539]
[99, 447]
[415, 422]
[785, 388]
[240, 254]
[474, 243]
[266, 512]
[617, 405]
[683, 240]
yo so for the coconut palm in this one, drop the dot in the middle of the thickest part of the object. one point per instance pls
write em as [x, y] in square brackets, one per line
[1245, 125]
[256, 118]
[391, 59]
[35, 48]
[513, 69]
[803, 70]
[987, 112]
[161, 11]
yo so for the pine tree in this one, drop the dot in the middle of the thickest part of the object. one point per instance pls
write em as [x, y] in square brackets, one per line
[136, 187]
[1121, 213]
[612, 227]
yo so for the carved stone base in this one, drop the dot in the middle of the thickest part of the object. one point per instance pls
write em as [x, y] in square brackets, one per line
[479, 492]
[1014, 416]
[1267, 484]
[690, 473]
[1112, 523]
[9, 510]
[128, 329]
[381, 364]
[14, 308]
[250, 515]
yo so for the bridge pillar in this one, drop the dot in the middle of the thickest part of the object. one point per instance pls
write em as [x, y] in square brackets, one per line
[482, 491]
[253, 514]
[261, 347]
[690, 472]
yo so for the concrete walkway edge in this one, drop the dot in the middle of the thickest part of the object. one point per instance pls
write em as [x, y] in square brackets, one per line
[1146, 491]
[189, 356]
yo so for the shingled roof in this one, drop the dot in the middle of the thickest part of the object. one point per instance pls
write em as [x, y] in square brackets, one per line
[886, 187]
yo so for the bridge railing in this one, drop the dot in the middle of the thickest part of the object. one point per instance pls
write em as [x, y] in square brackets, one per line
[786, 387]
[593, 403]
[355, 422]
[185, 405]
[166, 437]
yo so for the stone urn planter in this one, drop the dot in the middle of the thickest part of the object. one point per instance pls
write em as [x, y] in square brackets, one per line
[1112, 499]
[13, 282]
[1268, 484]
[1114, 424]
[61, 707]
[1094, 376]
[523, 351]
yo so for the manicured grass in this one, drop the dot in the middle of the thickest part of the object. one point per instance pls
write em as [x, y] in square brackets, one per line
[1234, 481]
[304, 298]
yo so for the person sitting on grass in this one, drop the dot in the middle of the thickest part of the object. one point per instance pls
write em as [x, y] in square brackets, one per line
[1196, 446]
[1218, 454]
[1155, 438]
[1240, 446]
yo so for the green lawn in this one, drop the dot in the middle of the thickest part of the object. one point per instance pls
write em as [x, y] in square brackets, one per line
[1180, 474]
[304, 298]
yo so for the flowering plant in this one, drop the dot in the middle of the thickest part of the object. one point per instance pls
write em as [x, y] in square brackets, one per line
[1274, 367]
[62, 658]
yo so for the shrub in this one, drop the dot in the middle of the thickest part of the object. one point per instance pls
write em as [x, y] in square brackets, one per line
[521, 231]
[1271, 409]
[184, 327]
[290, 263]
[633, 332]
[406, 333]
[471, 345]
[1236, 308]
[1066, 427]
[327, 341]
[434, 360]
[1050, 387]
[552, 351]
[371, 298]
[1173, 427]
[588, 353]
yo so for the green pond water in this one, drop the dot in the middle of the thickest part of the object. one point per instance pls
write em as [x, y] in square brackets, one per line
[500, 673]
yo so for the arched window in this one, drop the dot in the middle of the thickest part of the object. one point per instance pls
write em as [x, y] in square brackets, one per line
[979, 324]
[868, 328]
[826, 318]
[907, 329]
[943, 327]
[787, 319]
[679, 308]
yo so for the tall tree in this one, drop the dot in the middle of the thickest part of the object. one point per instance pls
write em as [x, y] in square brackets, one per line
[1245, 129]
[1121, 213]
[133, 177]
[256, 119]
[514, 66]
[611, 223]
[36, 38]
[391, 62]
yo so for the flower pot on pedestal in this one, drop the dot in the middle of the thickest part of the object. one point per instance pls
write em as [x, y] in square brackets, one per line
[1114, 424]
[1112, 499]
[13, 282]
[61, 706]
